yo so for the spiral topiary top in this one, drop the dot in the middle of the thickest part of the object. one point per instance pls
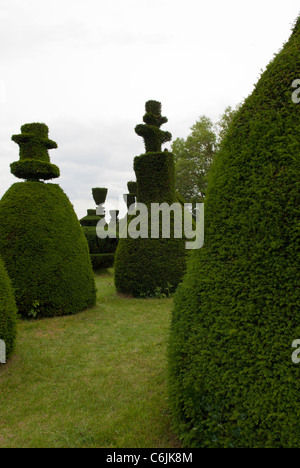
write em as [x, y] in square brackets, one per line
[34, 163]
[150, 131]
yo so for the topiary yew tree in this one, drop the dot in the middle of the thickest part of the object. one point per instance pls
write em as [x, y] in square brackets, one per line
[232, 381]
[8, 311]
[102, 251]
[41, 241]
[144, 265]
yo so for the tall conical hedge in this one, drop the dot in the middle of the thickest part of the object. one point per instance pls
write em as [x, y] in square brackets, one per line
[8, 311]
[144, 266]
[41, 241]
[232, 380]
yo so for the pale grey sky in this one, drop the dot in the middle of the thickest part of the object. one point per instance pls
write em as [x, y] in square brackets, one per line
[87, 67]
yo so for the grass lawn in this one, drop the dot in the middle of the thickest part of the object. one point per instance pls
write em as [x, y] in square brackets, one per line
[95, 379]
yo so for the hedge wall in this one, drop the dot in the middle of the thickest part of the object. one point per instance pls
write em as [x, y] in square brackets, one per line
[232, 382]
[8, 311]
[45, 251]
[144, 266]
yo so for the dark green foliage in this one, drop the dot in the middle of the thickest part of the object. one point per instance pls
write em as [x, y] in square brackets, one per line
[99, 195]
[45, 251]
[97, 245]
[34, 163]
[193, 158]
[102, 261]
[132, 187]
[91, 219]
[8, 311]
[180, 198]
[102, 251]
[153, 136]
[144, 265]
[129, 199]
[232, 381]
[155, 175]
[34, 170]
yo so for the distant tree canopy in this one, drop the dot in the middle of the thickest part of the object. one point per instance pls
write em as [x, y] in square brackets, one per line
[193, 156]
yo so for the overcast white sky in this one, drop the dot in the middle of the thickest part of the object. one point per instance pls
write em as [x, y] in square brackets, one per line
[87, 67]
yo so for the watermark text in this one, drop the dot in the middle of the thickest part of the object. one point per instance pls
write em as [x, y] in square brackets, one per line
[296, 93]
[163, 221]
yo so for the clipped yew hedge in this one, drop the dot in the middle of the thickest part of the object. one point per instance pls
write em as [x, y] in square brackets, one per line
[41, 241]
[232, 382]
[45, 251]
[145, 266]
[8, 311]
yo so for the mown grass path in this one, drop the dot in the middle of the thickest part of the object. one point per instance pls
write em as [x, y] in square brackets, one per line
[95, 379]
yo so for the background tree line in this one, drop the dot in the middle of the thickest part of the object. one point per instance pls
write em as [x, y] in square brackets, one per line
[194, 155]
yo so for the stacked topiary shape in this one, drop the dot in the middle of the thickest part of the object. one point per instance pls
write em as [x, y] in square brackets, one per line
[41, 241]
[102, 251]
[144, 266]
[232, 380]
[8, 311]
[34, 163]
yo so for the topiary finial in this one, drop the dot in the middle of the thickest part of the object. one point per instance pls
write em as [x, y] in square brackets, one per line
[150, 131]
[99, 195]
[34, 163]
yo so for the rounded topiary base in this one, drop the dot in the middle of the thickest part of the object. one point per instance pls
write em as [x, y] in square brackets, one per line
[145, 266]
[8, 311]
[45, 251]
[34, 170]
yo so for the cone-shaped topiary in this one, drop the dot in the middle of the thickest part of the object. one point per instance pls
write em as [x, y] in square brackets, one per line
[144, 266]
[8, 311]
[43, 246]
[232, 380]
